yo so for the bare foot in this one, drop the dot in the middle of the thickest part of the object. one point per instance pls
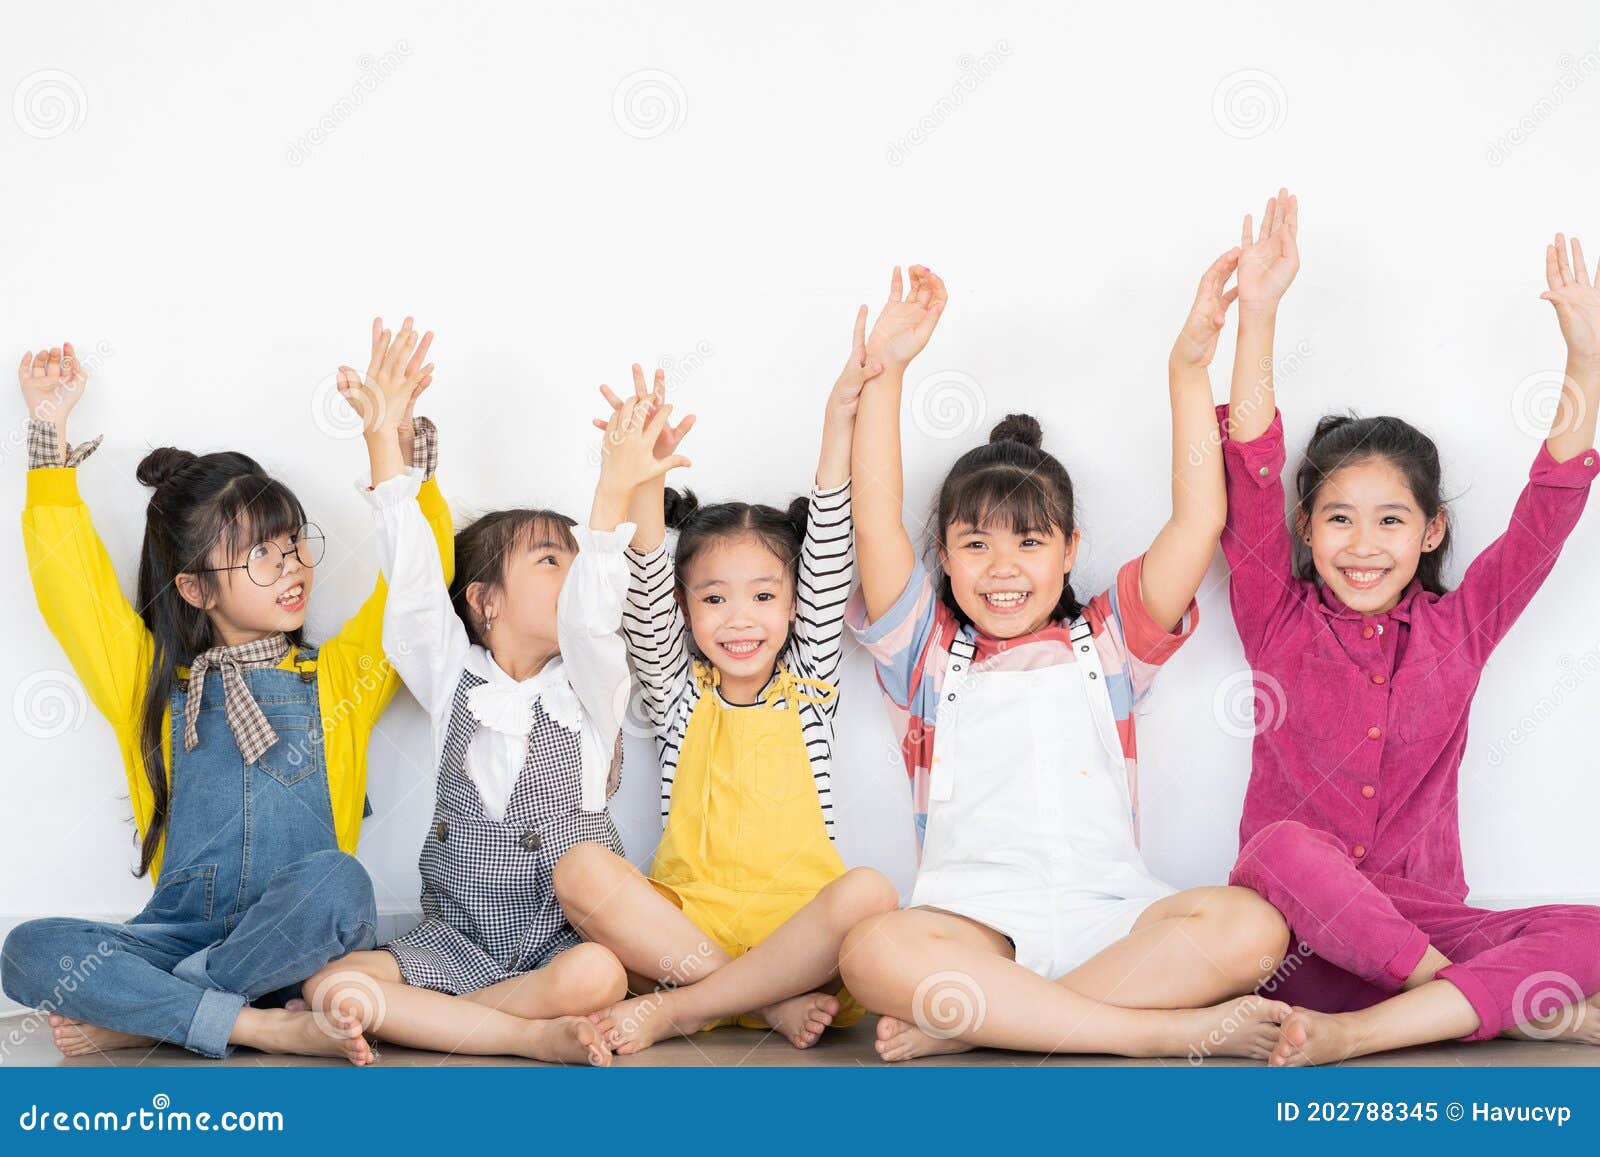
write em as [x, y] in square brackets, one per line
[631, 1025]
[1577, 1023]
[1249, 1026]
[802, 1019]
[899, 1040]
[76, 1038]
[305, 1034]
[568, 1040]
[1314, 1038]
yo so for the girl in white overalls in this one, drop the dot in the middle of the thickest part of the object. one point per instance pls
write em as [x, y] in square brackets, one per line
[1034, 923]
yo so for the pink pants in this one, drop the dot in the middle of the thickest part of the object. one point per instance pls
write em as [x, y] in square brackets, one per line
[1368, 932]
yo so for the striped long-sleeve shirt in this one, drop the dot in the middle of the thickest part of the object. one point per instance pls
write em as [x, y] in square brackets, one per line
[658, 643]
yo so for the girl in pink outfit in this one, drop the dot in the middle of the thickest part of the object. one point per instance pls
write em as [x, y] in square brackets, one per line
[1350, 825]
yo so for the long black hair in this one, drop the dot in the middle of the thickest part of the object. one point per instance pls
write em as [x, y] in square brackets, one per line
[1009, 478]
[201, 502]
[1345, 440]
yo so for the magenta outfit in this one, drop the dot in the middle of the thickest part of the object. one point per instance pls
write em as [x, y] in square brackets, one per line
[1350, 825]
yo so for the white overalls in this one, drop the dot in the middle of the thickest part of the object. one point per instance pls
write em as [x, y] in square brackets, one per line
[1030, 818]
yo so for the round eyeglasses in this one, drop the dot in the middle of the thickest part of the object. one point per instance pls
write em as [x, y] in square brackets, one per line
[264, 563]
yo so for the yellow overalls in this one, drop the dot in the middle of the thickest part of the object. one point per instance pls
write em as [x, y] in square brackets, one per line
[745, 846]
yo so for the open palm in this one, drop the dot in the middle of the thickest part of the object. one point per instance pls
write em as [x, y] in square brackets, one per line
[906, 322]
[1269, 262]
[1576, 298]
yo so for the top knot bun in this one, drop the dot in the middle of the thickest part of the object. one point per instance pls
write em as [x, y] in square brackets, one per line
[1022, 428]
[161, 464]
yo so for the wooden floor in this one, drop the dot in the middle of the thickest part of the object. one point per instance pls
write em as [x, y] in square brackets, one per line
[733, 1047]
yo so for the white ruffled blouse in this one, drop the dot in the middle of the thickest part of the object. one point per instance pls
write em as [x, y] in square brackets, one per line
[584, 689]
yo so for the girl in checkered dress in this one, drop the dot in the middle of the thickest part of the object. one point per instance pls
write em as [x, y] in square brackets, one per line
[521, 669]
[747, 900]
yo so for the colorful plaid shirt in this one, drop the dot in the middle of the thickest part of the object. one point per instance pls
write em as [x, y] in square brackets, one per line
[911, 645]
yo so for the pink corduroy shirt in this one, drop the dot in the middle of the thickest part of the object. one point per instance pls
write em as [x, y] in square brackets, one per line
[1361, 720]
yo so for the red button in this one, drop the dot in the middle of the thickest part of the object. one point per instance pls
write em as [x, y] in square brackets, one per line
[1360, 850]
[1379, 679]
[1366, 632]
[1369, 791]
[1374, 732]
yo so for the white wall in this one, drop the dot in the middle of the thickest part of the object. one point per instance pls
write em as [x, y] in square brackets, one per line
[184, 220]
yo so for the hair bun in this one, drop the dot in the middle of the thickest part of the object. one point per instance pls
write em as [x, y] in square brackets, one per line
[1022, 428]
[162, 463]
[678, 507]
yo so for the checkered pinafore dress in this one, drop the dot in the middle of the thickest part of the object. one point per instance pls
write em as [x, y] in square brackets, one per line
[489, 908]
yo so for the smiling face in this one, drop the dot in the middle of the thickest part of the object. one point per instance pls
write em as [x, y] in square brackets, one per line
[739, 598]
[1007, 581]
[240, 609]
[1367, 533]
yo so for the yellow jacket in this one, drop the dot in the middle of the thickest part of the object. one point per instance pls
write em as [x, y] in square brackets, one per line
[110, 648]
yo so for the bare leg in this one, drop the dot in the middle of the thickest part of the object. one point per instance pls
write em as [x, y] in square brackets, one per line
[777, 976]
[610, 903]
[927, 966]
[1188, 950]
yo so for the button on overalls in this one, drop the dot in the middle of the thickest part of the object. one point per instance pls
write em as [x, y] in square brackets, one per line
[1030, 816]
[254, 894]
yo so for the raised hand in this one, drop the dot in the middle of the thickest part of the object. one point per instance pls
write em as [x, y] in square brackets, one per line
[396, 374]
[859, 369]
[907, 319]
[52, 382]
[1576, 298]
[630, 456]
[1269, 260]
[656, 397]
[1197, 341]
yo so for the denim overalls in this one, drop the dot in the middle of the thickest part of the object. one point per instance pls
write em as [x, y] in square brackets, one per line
[254, 894]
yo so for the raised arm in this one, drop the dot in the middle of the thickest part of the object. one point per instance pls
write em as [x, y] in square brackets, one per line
[1500, 583]
[885, 555]
[1256, 537]
[1176, 562]
[104, 639]
[645, 507]
[1268, 263]
[1576, 297]
[364, 655]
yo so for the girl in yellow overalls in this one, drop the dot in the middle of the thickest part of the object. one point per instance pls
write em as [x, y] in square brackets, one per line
[747, 901]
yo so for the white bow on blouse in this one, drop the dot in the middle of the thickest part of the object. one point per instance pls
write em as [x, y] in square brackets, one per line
[507, 707]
